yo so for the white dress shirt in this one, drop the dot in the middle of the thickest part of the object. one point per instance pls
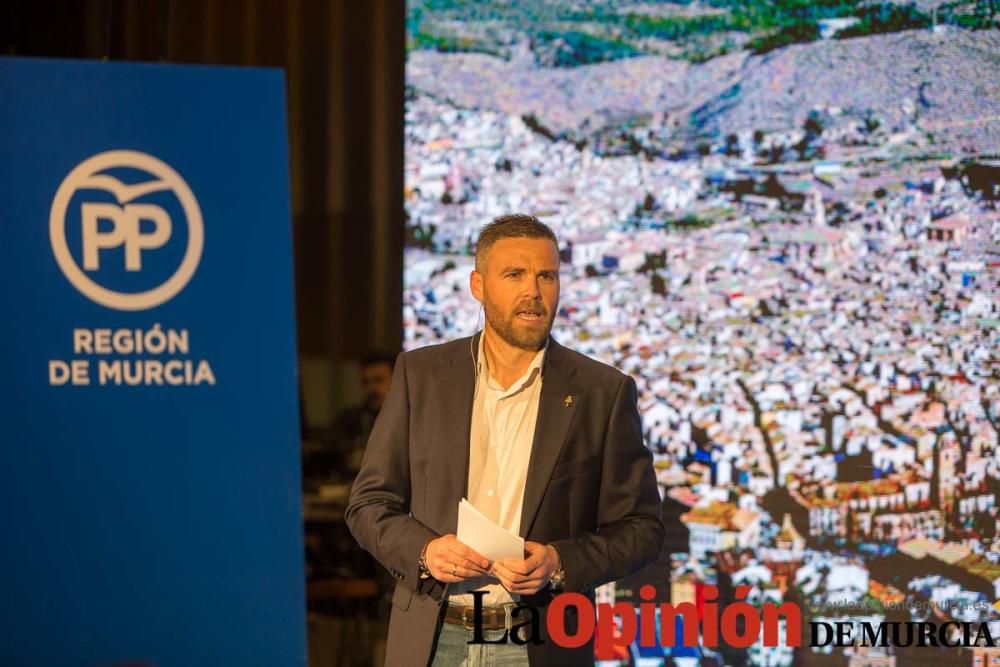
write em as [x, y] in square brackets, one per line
[503, 429]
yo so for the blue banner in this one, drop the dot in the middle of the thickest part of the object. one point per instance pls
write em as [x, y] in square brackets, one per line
[149, 438]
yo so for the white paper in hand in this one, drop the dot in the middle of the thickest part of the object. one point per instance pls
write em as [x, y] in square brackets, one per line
[485, 537]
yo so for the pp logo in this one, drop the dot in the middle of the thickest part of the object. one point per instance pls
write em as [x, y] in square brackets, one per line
[129, 213]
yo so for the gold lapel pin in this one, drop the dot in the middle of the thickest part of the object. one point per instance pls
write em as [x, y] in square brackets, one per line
[568, 402]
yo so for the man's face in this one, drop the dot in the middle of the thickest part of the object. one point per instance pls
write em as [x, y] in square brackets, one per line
[375, 381]
[519, 290]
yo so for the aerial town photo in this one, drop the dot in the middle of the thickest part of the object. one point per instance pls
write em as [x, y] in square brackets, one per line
[783, 220]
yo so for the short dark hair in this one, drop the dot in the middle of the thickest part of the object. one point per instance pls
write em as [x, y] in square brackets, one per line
[376, 357]
[511, 226]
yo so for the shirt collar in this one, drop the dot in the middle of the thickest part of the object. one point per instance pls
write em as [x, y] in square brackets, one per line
[533, 371]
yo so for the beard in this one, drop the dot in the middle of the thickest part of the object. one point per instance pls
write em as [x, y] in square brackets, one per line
[524, 335]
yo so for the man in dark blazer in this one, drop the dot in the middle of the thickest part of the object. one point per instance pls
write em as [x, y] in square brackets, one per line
[589, 511]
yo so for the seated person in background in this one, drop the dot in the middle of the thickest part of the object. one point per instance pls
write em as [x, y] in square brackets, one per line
[353, 425]
[334, 453]
[332, 552]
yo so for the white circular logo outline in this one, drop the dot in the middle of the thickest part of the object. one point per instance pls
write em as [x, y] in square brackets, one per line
[64, 258]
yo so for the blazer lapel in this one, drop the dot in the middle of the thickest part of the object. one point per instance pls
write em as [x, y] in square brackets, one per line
[455, 423]
[557, 406]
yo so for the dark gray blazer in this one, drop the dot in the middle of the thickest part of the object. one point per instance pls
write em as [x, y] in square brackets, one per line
[590, 489]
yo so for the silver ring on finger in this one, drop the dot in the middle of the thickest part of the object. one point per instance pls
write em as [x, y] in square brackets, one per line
[454, 569]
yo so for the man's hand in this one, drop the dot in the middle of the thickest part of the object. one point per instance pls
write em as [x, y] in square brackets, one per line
[531, 574]
[451, 561]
